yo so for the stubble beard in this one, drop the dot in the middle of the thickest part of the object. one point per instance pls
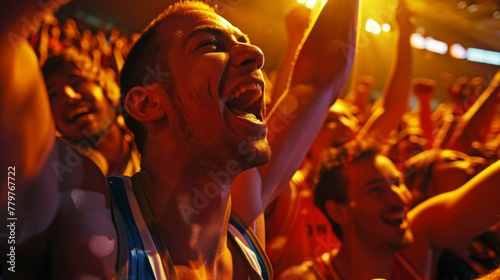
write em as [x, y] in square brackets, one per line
[405, 242]
[230, 157]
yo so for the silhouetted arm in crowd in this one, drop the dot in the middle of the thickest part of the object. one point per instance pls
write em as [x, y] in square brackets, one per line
[40, 174]
[424, 90]
[451, 117]
[23, 90]
[458, 216]
[476, 118]
[359, 97]
[397, 89]
[296, 24]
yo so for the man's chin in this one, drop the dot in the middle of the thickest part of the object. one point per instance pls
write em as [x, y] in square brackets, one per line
[254, 154]
[87, 138]
[401, 246]
[263, 159]
[405, 242]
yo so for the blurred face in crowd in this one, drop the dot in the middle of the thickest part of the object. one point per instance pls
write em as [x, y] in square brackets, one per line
[412, 142]
[452, 169]
[378, 204]
[339, 127]
[80, 108]
[218, 89]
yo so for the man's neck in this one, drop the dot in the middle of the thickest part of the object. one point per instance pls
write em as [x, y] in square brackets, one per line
[376, 264]
[192, 213]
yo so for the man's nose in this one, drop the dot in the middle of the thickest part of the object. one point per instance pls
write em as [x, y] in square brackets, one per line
[400, 195]
[247, 56]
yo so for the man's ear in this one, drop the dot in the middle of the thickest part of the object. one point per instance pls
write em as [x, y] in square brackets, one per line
[337, 211]
[143, 105]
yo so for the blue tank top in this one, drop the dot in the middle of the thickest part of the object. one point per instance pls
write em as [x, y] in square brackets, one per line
[137, 255]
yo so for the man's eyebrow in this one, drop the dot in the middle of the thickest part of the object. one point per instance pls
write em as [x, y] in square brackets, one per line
[388, 179]
[241, 37]
[375, 182]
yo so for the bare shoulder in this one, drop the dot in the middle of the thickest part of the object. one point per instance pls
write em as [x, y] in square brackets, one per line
[70, 231]
[83, 236]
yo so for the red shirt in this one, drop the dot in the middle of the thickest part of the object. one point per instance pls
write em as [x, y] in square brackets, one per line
[296, 229]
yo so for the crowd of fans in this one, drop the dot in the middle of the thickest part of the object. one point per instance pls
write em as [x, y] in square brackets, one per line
[321, 220]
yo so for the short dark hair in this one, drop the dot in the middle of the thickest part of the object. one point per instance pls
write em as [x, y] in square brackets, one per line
[149, 53]
[418, 174]
[334, 178]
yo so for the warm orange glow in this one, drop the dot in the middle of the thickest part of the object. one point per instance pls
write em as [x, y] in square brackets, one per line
[462, 5]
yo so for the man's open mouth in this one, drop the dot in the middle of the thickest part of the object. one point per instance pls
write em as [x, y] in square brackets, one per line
[395, 220]
[246, 102]
[394, 223]
[78, 113]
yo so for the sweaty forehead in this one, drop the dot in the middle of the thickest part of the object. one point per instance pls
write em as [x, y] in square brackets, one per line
[373, 168]
[185, 24]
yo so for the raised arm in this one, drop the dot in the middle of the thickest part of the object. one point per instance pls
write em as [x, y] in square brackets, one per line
[320, 73]
[26, 126]
[296, 24]
[40, 173]
[359, 97]
[26, 123]
[397, 89]
[424, 90]
[460, 215]
[476, 118]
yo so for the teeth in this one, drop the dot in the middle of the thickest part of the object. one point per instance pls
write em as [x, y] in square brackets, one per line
[397, 216]
[400, 216]
[78, 111]
[243, 88]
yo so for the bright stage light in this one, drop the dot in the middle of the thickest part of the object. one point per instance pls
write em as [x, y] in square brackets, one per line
[372, 26]
[436, 46]
[483, 56]
[457, 51]
[310, 3]
[386, 27]
[417, 41]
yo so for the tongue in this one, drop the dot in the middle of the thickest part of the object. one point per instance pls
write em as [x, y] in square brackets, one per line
[245, 115]
[78, 116]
